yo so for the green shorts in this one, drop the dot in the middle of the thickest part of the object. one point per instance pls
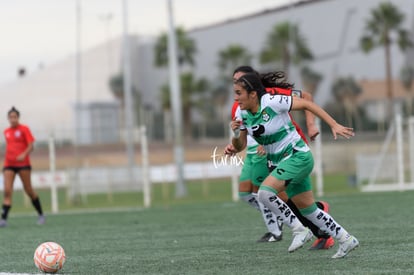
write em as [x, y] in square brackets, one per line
[254, 169]
[296, 172]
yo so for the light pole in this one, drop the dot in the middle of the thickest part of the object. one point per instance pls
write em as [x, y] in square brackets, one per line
[106, 19]
[78, 97]
[129, 120]
[175, 90]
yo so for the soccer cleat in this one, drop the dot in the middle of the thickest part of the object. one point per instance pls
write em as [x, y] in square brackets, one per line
[269, 237]
[41, 220]
[3, 223]
[323, 243]
[346, 247]
[299, 239]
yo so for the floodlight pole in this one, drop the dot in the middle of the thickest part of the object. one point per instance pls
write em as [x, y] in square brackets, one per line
[106, 19]
[78, 97]
[78, 94]
[175, 95]
[129, 121]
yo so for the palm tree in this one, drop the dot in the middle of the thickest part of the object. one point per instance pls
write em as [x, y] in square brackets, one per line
[407, 77]
[229, 59]
[346, 91]
[310, 79]
[285, 44]
[232, 57]
[191, 94]
[116, 85]
[186, 49]
[383, 28]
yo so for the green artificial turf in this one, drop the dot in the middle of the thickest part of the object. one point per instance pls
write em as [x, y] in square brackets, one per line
[212, 237]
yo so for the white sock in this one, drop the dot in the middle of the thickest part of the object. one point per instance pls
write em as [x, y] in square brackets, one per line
[280, 209]
[326, 223]
[250, 198]
[270, 220]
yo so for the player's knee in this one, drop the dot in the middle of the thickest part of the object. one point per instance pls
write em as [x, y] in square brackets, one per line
[262, 196]
[245, 186]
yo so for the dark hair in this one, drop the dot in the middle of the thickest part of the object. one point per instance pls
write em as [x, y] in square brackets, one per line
[275, 79]
[13, 110]
[245, 69]
[251, 82]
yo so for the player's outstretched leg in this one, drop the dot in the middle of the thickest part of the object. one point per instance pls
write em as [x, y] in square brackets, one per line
[324, 240]
[326, 222]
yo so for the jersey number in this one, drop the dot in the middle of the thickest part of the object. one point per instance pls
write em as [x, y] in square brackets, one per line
[258, 130]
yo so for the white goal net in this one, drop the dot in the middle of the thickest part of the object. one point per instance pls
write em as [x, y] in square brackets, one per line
[393, 167]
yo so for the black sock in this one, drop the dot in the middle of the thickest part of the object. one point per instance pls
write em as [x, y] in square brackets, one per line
[315, 230]
[5, 211]
[319, 205]
[36, 204]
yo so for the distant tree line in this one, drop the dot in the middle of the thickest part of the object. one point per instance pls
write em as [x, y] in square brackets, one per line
[285, 45]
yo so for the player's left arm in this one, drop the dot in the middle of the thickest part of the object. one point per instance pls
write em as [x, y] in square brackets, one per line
[30, 140]
[26, 152]
[313, 131]
[336, 128]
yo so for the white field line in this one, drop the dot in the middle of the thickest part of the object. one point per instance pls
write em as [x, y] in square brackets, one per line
[84, 211]
[7, 273]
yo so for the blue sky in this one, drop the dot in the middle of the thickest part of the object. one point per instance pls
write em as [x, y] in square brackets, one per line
[35, 32]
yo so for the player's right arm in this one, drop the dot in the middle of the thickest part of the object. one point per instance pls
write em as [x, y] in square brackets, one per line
[239, 140]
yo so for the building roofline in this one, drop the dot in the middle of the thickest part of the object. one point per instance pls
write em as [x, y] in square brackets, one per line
[300, 3]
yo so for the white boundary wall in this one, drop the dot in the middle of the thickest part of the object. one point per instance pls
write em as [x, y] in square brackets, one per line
[95, 180]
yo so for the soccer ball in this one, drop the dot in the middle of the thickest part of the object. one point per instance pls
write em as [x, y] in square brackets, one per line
[49, 257]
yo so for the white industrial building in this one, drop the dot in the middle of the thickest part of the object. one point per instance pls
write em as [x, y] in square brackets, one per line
[48, 97]
[332, 29]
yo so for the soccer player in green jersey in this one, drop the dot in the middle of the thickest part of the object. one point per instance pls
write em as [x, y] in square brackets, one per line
[265, 117]
[255, 168]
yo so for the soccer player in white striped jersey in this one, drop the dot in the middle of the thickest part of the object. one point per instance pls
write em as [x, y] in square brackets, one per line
[255, 168]
[266, 118]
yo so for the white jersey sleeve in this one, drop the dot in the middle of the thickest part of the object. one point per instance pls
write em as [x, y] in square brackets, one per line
[279, 103]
